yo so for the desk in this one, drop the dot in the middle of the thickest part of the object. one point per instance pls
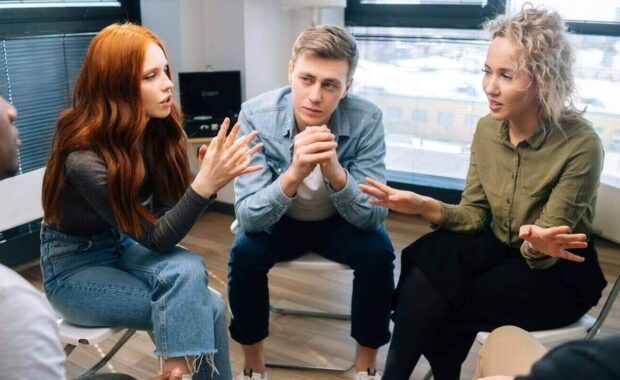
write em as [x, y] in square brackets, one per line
[193, 144]
[200, 140]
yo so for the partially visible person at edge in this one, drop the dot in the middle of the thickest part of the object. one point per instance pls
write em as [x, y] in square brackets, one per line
[511, 353]
[30, 345]
[118, 197]
[518, 248]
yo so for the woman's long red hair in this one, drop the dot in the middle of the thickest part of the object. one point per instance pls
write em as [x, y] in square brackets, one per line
[107, 117]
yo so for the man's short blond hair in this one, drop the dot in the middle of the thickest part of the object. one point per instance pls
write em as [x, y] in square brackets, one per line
[327, 41]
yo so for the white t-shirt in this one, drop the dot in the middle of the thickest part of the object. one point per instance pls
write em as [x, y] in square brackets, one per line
[29, 341]
[312, 201]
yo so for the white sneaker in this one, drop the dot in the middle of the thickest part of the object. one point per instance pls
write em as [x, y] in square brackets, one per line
[249, 375]
[370, 374]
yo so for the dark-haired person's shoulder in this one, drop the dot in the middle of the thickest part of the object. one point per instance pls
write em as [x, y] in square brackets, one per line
[582, 359]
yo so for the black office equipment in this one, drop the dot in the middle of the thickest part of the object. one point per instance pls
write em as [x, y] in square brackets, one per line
[207, 98]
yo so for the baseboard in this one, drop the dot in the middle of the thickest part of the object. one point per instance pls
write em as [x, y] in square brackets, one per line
[222, 207]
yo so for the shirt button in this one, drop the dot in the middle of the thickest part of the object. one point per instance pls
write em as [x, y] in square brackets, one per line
[508, 200]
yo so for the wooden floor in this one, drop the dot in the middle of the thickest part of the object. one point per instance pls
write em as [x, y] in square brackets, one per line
[319, 341]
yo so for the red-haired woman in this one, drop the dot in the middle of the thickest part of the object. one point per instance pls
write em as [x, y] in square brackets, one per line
[118, 197]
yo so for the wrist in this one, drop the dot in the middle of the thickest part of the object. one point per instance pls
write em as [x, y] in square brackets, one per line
[289, 182]
[531, 252]
[203, 188]
[338, 179]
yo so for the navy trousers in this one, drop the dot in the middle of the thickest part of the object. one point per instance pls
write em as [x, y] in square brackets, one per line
[369, 253]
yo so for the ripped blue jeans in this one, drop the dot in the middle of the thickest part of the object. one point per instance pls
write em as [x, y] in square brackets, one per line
[110, 280]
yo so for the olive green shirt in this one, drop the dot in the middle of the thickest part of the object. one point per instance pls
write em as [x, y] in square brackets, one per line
[550, 179]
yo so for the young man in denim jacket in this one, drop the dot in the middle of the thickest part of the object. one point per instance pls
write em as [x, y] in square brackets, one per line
[319, 143]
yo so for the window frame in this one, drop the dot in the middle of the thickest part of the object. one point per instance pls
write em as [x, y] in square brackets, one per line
[453, 16]
[39, 21]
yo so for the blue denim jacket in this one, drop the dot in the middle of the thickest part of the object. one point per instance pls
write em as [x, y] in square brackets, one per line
[357, 124]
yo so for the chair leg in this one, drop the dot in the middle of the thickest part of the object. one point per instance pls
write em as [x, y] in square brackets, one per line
[309, 367]
[304, 313]
[429, 375]
[69, 349]
[109, 355]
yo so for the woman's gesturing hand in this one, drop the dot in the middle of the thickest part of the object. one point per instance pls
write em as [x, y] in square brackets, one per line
[224, 159]
[398, 200]
[554, 241]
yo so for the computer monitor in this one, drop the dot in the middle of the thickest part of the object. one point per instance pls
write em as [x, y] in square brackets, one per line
[207, 98]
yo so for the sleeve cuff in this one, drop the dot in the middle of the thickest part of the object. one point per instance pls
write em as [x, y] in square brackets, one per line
[346, 194]
[198, 200]
[537, 263]
[277, 197]
[447, 217]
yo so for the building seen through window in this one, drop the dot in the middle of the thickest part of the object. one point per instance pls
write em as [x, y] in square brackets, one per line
[434, 76]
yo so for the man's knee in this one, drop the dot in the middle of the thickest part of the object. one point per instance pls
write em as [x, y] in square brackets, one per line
[244, 251]
[252, 252]
[374, 250]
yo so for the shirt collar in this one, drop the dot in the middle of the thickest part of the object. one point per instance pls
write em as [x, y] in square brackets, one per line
[535, 141]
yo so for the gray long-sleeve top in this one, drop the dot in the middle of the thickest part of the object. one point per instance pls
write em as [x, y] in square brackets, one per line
[86, 208]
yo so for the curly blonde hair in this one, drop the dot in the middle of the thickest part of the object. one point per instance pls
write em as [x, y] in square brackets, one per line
[543, 50]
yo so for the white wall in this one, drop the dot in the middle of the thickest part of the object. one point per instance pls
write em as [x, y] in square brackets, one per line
[254, 37]
[608, 212]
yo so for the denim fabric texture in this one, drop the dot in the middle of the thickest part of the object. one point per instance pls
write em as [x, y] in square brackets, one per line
[109, 279]
[358, 127]
[369, 253]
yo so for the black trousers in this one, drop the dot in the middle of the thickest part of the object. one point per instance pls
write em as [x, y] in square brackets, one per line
[484, 284]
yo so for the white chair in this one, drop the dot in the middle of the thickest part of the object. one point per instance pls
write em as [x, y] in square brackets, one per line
[585, 328]
[308, 261]
[72, 336]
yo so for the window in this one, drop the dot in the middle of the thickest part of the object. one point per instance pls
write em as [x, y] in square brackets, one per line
[419, 116]
[432, 67]
[467, 14]
[392, 114]
[41, 51]
[42, 44]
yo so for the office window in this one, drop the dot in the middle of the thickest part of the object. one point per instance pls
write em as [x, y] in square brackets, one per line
[37, 76]
[42, 44]
[419, 116]
[433, 67]
[392, 114]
